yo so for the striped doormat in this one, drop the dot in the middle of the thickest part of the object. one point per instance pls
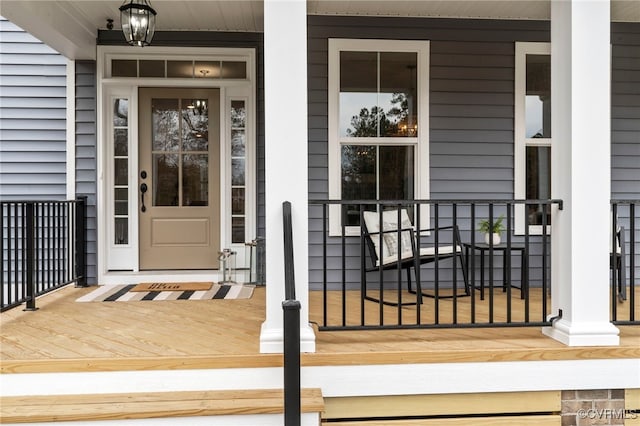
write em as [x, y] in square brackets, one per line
[123, 293]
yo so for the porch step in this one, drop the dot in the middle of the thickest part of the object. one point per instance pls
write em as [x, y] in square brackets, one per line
[95, 407]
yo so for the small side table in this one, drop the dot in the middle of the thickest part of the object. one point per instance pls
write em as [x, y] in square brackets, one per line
[483, 247]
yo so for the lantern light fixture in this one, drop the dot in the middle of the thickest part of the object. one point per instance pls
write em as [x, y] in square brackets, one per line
[138, 21]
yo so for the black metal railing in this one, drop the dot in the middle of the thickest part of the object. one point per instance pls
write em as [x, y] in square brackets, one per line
[291, 323]
[464, 285]
[625, 260]
[43, 246]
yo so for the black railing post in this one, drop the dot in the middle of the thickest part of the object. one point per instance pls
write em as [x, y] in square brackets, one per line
[291, 362]
[81, 241]
[291, 327]
[29, 253]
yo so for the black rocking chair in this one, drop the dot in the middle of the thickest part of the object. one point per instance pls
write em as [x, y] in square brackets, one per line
[399, 236]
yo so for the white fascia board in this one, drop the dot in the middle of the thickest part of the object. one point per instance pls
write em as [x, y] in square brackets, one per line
[342, 381]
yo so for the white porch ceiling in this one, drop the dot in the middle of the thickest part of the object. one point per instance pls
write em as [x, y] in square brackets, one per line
[70, 26]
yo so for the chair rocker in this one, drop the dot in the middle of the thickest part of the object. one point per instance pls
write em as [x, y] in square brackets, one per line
[410, 258]
[617, 263]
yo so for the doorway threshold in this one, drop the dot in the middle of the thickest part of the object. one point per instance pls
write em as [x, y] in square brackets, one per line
[137, 277]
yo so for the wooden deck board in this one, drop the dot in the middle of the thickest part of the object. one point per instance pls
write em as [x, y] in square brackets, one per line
[151, 405]
[100, 336]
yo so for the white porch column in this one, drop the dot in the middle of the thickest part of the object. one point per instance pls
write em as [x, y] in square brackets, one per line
[285, 86]
[581, 171]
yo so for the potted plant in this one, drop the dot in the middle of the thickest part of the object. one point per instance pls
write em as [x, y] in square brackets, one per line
[498, 226]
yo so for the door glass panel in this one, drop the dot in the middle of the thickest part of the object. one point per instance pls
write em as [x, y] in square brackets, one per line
[195, 180]
[195, 125]
[121, 230]
[538, 96]
[237, 201]
[165, 134]
[237, 171]
[238, 114]
[120, 142]
[237, 143]
[121, 171]
[120, 112]
[165, 179]
[237, 230]
[121, 201]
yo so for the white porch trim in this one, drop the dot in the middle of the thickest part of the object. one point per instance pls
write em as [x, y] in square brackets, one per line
[286, 160]
[71, 130]
[580, 163]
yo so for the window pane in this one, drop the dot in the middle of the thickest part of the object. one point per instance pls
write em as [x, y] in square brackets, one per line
[124, 68]
[538, 97]
[120, 112]
[538, 181]
[238, 114]
[358, 94]
[234, 70]
[120, 142]
[237, 143]
[165, 179]
[121, 230]
[237, 201]
[395, 177]
[121, 201]
[195, 180]
[195, 125]
[121, 171]
[151, 68]
[237, 171]
[207, 69]
[358, 178]
[398, 94]
[237, 230]
[179, 69]
[165, 124]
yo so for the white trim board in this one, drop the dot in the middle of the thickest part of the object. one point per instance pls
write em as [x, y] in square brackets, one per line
[341, 381]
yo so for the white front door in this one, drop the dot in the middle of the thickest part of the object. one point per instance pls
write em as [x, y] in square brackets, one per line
[179, 178]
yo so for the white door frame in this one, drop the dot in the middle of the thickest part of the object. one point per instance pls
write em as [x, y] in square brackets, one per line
[118, 264]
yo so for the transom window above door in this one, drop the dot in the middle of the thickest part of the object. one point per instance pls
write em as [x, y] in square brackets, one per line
[161, 68]
[378, 124]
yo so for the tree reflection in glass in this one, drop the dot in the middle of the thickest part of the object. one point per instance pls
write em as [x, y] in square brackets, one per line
[359, 164]
[195, 180]
[165, 135]
[195, 125]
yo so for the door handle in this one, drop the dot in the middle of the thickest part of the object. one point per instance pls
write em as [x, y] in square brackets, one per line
[143, 189]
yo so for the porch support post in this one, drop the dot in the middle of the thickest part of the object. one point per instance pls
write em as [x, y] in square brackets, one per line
[581, 170]
[285, 87]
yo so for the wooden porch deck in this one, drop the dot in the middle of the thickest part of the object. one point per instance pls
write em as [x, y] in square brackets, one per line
[67, 336]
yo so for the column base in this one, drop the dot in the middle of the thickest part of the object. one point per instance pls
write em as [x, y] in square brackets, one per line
[271, 339]
[584, 333]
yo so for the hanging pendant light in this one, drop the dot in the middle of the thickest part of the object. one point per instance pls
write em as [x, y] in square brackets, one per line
[138, 21]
